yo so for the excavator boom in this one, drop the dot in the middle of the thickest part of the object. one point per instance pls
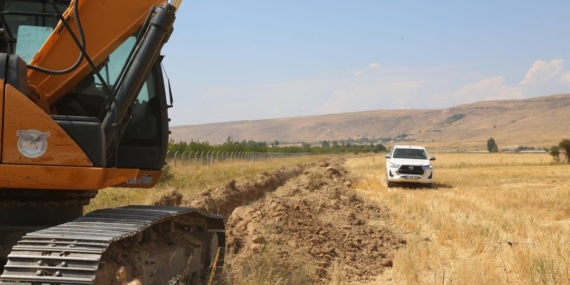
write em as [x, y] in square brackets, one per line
[109, 22]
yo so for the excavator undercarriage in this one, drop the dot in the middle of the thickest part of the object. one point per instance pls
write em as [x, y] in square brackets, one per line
[46, 239]
[155, 245]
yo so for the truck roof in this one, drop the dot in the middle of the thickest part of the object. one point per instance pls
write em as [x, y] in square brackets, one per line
[409, 146]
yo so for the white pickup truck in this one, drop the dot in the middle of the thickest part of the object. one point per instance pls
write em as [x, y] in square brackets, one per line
[408, 163]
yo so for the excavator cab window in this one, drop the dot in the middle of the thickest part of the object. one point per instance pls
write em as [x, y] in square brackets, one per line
[88, 98]
[146, 137]
[29, 31]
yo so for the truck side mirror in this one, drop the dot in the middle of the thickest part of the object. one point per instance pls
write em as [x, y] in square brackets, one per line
[432, 158]
[387, 156]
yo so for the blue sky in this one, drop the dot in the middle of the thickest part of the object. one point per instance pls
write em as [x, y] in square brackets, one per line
[247, 60]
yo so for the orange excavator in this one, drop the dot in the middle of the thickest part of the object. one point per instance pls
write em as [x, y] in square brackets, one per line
[83, 106]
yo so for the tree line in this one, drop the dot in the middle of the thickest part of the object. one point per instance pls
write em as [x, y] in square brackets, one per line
[253, 146]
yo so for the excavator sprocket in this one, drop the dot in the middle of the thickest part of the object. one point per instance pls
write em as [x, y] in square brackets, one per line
[154, 244]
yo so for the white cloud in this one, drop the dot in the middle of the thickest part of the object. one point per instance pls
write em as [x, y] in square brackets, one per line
[370, 94]
[541, 79]
[543, 71]
[389, 87]
[493, 88]
[374, 64]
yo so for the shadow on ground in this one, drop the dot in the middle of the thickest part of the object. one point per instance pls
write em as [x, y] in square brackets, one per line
[415, 186]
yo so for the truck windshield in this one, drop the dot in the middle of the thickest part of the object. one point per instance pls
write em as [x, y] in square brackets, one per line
[410, 153]
[30, 32]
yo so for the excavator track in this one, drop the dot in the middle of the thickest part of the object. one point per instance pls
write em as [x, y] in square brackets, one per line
[91, 248]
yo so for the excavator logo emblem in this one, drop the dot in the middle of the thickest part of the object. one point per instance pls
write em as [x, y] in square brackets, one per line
[32, 143]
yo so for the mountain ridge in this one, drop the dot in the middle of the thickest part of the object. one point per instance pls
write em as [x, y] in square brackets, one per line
[537, 121]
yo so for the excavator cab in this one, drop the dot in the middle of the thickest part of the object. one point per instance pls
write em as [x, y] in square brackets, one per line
[145, 140]
[143, 143]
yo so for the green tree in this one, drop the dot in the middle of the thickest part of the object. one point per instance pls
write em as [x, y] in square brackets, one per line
[305, 145]
[275, 144]
[492, 146]
[236, 146]
[565, 145]
[555, 153]
[325, 144]
[379, 147]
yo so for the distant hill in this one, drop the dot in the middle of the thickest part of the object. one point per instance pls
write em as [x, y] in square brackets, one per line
[538, 122]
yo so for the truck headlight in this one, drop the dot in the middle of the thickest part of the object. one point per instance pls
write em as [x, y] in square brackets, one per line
[394, 165]
[426, 167]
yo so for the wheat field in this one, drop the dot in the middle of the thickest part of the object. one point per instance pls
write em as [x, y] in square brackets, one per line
[491, 219]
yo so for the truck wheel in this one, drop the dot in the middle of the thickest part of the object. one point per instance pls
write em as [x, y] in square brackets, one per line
[389, 183]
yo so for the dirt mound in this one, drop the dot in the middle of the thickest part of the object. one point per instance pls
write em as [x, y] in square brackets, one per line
[319, 219]
[224, 199]
[169, 199]
[306, 213]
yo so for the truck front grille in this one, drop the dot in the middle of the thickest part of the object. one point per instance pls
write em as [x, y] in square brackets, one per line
[411, 169]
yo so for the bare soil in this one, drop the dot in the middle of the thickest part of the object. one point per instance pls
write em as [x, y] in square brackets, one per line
[224, 199]
[309, 213]
[173, 198]
[317, 218]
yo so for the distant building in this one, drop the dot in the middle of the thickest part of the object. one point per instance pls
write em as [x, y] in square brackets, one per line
[523, 149]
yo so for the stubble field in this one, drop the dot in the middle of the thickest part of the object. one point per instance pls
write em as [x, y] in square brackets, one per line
[491, 219]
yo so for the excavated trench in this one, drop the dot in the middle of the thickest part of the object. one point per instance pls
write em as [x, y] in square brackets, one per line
[308, 212]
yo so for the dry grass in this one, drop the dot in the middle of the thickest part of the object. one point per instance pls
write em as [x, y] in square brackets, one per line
[492, 219]
[268, 268]
[189, 180]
